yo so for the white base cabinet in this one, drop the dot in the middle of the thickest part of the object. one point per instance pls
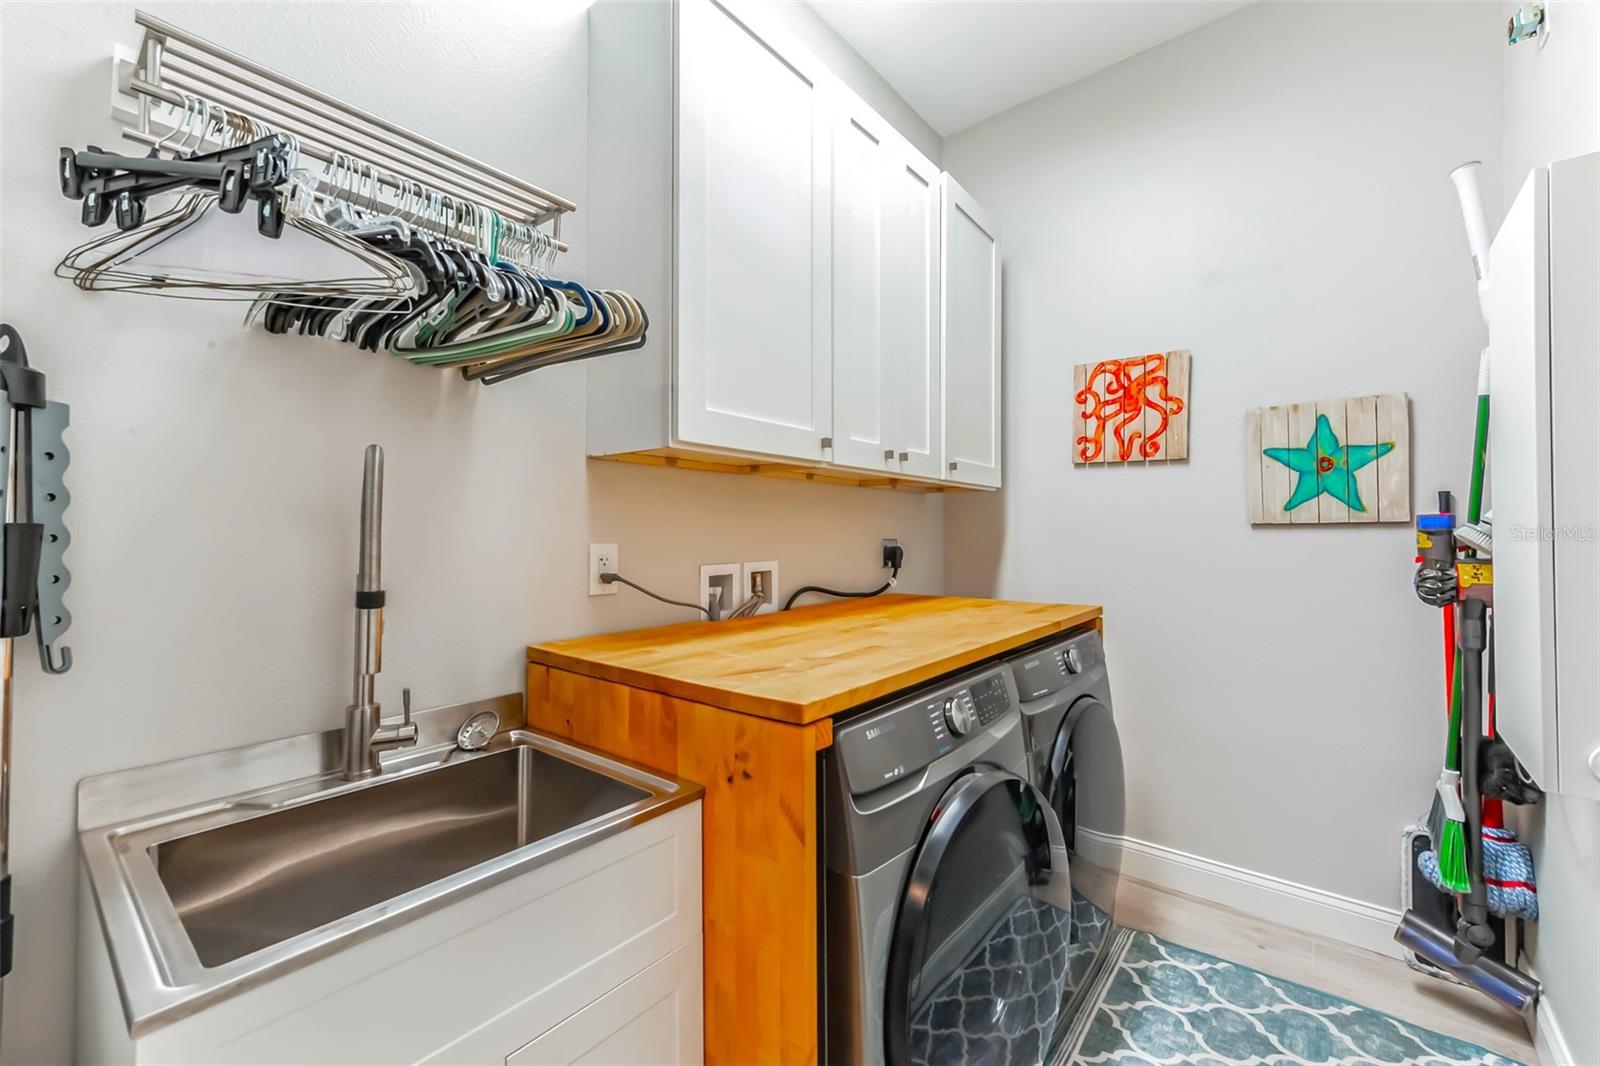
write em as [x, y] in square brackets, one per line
[789, 246]
[593, 958]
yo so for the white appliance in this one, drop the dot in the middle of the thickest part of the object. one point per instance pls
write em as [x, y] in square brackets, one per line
[1544, 470]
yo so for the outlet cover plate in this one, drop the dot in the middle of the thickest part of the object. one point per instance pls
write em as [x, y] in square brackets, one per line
[727, 576]
[602, 559]
[745, 586]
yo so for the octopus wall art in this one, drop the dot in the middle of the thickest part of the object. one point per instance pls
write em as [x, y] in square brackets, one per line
[1132, 410]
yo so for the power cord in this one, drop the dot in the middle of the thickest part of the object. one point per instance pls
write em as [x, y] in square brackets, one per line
[895, 556]
[612, 578]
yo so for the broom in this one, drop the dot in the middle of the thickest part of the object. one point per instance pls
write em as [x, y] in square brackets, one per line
[1452, 846]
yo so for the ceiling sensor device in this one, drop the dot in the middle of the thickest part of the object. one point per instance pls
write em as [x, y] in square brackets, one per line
[1528, 20]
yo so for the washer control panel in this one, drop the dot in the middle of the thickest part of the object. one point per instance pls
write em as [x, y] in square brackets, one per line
[884, 746]
[1053, 667]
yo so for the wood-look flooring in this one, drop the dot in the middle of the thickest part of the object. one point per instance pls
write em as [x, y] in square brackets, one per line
[1354, 973]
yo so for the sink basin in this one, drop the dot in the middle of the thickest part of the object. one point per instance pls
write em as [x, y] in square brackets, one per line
[246, 886]
[217, 873]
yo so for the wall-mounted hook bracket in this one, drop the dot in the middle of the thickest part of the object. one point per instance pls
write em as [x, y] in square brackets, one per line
[32, 543]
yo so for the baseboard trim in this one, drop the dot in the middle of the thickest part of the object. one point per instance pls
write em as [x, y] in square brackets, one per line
[1275, 899]
[1548, 1040]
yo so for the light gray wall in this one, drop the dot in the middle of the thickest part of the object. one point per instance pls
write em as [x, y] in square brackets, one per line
[1270, 192]
[1552, 109]
[215, 471]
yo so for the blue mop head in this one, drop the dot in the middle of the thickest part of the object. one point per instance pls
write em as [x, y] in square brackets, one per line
[1507, 874]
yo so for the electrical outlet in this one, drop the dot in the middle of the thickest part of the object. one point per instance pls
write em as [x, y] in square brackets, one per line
[767, 575]
[602, 560]
[889, 544]
[724, 577]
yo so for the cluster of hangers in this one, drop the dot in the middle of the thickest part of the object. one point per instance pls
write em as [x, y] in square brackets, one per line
[429, 278]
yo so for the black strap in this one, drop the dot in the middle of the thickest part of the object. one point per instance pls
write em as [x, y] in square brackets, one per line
[7, 925]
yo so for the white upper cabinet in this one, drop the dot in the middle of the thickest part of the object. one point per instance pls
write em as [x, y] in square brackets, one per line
[865, 151]
[971, 336]
[885, 296]
[753, 354]
[804, 268]
[916, 359]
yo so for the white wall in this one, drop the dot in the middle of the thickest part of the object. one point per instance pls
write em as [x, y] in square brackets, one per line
[215, 471]
[1552, 111]
[814, 33]
[1270, 192]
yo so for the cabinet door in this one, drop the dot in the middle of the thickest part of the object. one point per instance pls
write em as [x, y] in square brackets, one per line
[865, 153]
[913, 342]
[753, 366]
[971, 338]
[654, 1017]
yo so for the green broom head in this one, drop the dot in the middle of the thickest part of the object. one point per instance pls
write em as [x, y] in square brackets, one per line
[1452, 848]
[1453, 858]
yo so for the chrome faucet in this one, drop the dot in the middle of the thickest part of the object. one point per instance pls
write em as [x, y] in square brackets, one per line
[365, 732]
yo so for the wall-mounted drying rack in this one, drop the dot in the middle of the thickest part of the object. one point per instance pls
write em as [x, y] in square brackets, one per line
[437, 258]
[173, 63]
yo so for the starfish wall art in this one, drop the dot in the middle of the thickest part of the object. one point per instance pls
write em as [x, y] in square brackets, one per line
[1333, 461]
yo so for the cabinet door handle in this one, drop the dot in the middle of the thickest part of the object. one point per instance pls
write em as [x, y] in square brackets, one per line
[889, 454]
[952, 466]
[905, 457]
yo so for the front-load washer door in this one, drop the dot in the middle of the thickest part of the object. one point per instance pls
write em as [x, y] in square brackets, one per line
[978, 957]
[1083, 780]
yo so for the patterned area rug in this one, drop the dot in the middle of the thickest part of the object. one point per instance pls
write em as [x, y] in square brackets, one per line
[1167, 1004]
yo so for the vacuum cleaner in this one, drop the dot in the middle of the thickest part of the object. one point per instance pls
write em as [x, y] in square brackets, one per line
[1455, 577]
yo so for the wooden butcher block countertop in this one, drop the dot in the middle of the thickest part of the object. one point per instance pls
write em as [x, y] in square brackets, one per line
[811, 663]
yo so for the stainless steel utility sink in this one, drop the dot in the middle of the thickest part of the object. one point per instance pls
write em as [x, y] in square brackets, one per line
[246, 886]
[216, 873]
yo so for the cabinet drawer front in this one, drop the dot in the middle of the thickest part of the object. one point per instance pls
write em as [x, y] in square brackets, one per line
[752, 240]
[654, 1017]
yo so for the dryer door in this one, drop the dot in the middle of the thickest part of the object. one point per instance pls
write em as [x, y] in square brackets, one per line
[1083, 779]
[978, 957]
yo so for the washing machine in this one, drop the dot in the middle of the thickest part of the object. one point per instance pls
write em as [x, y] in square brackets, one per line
[1075, 761]
[947, 893]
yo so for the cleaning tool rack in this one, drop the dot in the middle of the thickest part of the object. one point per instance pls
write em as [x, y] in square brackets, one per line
[175, 71]
[33, 573]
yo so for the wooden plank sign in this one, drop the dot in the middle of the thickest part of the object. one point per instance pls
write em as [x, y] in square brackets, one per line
[1133, 410]
[1330, 462]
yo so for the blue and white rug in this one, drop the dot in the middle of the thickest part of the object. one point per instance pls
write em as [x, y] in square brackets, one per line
[1169, 1005]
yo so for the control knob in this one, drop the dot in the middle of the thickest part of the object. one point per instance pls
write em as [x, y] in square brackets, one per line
[1074, 661]
[957, 716]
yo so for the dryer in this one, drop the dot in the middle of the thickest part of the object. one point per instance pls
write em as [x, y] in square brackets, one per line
[1075, 761]
[947, 892]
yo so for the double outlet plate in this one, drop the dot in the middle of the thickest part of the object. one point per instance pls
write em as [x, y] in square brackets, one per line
[734, 582]
[737, 582]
